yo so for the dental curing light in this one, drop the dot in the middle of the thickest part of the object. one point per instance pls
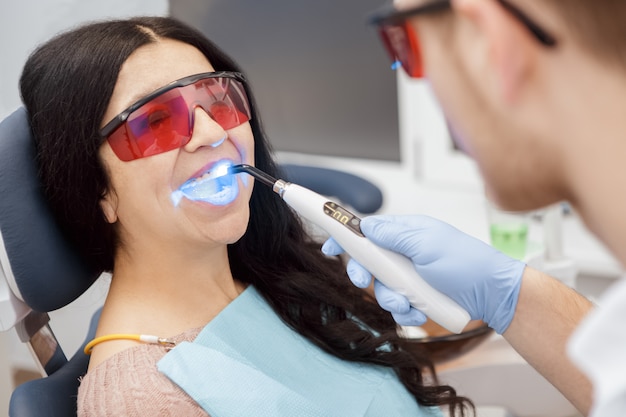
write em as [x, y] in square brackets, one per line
[392, 269]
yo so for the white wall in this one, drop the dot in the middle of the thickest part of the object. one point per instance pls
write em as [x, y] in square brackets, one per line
[24, 25]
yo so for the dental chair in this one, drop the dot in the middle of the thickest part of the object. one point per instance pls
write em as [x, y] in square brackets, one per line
[40, 272]
[351, 190]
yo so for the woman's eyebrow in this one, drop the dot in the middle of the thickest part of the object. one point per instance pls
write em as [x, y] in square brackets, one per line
[143, 93]
[136, 97]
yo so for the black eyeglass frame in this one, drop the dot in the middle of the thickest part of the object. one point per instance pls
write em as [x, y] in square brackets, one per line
[389, 15]
[121, 118]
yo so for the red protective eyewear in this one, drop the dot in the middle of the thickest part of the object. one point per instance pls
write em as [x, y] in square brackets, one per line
[402, 43]
[164, 119]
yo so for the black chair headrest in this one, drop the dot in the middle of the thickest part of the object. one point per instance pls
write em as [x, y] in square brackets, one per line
[353, 190]
[42, 267]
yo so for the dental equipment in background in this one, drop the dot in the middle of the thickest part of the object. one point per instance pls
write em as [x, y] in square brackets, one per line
[392, 269]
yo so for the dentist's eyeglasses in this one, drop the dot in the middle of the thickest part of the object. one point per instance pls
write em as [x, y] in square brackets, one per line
[402, 43]
[164, 119]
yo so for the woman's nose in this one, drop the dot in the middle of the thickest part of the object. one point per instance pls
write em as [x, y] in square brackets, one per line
[206, 132]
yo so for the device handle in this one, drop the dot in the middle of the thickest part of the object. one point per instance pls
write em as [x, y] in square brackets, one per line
[392, 269]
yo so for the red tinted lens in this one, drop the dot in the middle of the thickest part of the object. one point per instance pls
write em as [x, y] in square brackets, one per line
[402, 45]
[158, 126]
[161, 124]
[227, 116]
[165, 122]
[224, 99]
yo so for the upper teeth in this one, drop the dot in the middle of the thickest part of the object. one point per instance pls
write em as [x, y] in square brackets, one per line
[202, 177]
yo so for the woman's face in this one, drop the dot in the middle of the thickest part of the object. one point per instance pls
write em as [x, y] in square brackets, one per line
[140, 200]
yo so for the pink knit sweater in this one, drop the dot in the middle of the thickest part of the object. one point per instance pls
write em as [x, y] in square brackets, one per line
[129, 384]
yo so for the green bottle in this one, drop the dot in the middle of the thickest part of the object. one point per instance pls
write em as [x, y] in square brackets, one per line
[510, 238]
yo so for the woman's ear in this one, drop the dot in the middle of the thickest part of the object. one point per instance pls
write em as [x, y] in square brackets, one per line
[509, 47]
[108, 204]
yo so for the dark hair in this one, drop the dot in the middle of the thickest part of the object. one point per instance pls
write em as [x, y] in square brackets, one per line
[66, 85]
[598, 26]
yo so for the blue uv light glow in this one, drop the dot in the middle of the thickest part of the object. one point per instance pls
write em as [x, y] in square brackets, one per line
[218, 143]
[216, 187]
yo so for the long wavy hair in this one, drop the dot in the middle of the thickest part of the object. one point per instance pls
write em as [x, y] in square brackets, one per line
[66, 86]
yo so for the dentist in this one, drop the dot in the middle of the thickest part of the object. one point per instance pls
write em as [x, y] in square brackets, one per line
[544, 84]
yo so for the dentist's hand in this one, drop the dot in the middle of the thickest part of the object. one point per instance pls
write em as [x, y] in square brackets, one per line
[482, 280]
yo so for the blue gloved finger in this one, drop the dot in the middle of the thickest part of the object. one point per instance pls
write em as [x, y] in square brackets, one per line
[413, 318]
[359, 276]
[394, 233]
[331, 248]
[390, 300]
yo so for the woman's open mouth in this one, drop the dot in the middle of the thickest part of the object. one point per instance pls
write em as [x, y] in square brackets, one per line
[217, 190]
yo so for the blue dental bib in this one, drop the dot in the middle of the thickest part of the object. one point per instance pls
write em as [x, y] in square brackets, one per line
[247, 362]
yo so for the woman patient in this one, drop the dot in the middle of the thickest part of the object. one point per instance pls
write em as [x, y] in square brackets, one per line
[115, 139]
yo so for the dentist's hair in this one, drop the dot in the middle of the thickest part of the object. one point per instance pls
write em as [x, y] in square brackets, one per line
[66, 86]
[598, 26]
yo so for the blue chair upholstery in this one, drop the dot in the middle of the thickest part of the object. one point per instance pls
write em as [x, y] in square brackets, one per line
[350, 189]
[47, 271]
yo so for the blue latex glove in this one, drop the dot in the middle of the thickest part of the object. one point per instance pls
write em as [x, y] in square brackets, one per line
[482, 280]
